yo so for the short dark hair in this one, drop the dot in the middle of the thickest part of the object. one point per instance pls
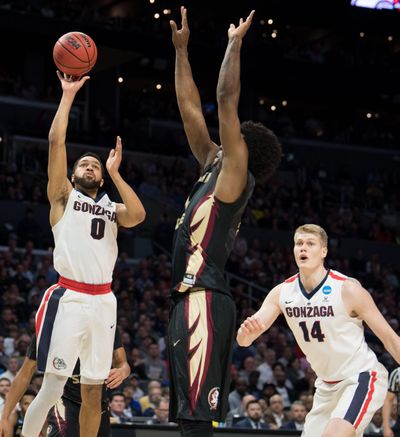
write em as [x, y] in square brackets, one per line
[115, 394]
[29, 392]
[265, 150]
[93, 155]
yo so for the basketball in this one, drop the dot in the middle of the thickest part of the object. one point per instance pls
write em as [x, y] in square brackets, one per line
[75, 53]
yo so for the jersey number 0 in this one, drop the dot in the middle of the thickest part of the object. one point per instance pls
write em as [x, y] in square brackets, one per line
[98, 228]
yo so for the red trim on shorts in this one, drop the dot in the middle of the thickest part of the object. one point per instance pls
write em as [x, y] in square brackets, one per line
[41, 310]
[338, 278]
[81, 287]
[333, 382]
[368, 399]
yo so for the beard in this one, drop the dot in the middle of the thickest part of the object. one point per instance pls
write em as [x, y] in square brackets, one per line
[87, 183]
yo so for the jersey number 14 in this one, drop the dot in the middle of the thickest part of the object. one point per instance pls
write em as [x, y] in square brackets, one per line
[315, 331]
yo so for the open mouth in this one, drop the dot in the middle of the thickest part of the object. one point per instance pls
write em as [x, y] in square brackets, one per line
[303, 257]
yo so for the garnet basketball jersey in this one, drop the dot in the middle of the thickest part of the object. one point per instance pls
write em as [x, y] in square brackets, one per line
[86, 239]
[332, 341]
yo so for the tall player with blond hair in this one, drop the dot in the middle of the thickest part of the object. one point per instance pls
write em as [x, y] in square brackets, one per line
[325, 311]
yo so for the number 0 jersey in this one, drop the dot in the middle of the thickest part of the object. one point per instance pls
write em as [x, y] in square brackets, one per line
[332, 341]
[86, 239]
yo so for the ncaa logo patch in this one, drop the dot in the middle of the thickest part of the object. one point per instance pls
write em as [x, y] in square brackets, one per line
[213, 397]
[327, 290]
[59, 363]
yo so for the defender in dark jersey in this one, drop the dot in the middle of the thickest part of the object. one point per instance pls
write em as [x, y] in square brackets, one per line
[203, 315]
[63, 418]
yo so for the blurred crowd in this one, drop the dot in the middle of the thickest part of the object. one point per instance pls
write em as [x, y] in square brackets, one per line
[272, 382]
[365, 206]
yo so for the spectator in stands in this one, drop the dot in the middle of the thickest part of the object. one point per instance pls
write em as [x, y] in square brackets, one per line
[132, 406]
[235, 397]
[254, 419]
[155, 367]
[238, 413]
[160, 413]
[117, 408]
[5, 385]
[283, 385]
[154, 392]
[18, 416]
[298, 414]
[13, 366]
[276, 416]
[265, 368]
[376, 425]
[137, 363]
[249, 365]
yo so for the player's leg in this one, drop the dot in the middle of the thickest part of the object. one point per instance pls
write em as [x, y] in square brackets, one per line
[201, 332]
[104, 430]
[90, 413]
[96, 360]
[50, 392]
[323, 405]
[338, 427]
[361, 396]
[63, 419]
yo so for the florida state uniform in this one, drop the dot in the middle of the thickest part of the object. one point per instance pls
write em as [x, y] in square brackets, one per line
[203, 314]
[77, 316]
[351, 383]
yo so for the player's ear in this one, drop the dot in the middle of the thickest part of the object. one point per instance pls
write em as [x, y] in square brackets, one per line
[324, 251]
[101, 182]
[72, 177]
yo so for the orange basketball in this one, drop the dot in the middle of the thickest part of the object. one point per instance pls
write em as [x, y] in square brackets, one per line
[75, 53]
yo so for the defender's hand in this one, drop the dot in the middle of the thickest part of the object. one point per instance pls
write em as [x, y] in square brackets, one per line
[180, 38]
[243, 27]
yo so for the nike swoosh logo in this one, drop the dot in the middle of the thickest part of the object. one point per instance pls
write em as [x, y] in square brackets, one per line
[176, 342]
[287, 303]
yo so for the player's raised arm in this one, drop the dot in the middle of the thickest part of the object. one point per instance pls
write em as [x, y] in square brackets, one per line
[187, 94]
[259, 322]
[59, 186]
[360, 303]
[131, 212]
[233, 177]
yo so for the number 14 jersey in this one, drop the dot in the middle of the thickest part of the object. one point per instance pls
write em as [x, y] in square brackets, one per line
[86, 239]
[332, 341]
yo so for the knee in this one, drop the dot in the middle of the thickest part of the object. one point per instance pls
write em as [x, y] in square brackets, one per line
[91, 395]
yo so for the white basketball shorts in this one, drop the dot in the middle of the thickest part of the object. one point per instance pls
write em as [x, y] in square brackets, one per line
[76, 320]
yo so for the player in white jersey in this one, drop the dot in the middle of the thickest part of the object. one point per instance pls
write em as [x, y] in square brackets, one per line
[325, 310]
[77, 316]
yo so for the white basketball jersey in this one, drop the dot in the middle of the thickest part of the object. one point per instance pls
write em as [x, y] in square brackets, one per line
[86, 239]
[332, 341]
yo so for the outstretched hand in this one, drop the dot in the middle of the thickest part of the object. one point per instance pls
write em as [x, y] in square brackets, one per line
[71, 83]
[249, 330]
[243, 27]
[114, 158]
[180, 37]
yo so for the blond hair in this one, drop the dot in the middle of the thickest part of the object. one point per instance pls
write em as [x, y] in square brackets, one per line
[314, 229]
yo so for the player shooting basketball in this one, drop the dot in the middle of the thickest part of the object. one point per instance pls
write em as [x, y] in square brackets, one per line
[77, 316]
